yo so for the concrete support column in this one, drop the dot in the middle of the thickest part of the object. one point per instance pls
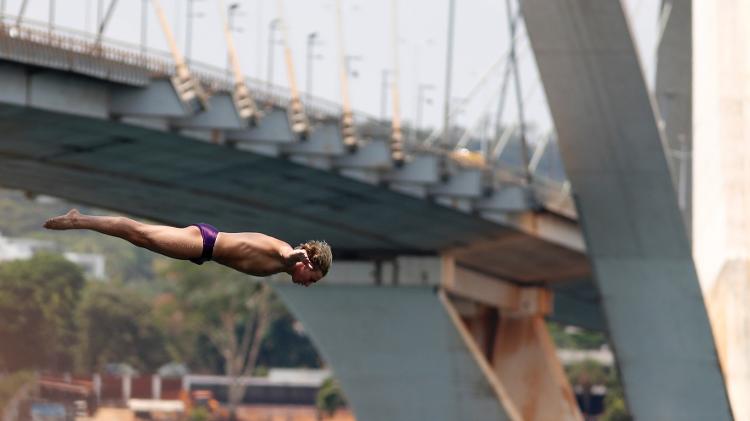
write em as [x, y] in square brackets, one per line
[512, 336]
[96, 381]
[432, 345]
[127, 383]
[525, 361]
[156, 386]
[399, 352]
[721, 184]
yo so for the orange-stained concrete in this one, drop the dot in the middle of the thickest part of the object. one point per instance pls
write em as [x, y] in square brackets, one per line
[524, 360]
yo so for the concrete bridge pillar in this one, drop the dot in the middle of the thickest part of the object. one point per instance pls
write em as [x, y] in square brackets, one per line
[506, 322]
[721, 182]
[614, 156]
[407, 340]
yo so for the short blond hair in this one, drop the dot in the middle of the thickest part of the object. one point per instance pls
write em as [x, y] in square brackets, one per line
[319, 253]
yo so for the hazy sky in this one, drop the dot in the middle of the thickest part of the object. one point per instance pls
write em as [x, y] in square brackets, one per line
[481, 39]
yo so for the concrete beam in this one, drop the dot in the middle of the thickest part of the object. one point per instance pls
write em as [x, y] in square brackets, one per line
[464, 183]
[578, 308]
[67, 93]
[13, 82]
[421, 169]
[221, 114]
[158, 99]
[507, 198]
[513, 300]
[324, 139]
[401, 270]
[272, 128]
[373, 155]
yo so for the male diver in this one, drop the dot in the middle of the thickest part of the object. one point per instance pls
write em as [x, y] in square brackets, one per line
[248, 252]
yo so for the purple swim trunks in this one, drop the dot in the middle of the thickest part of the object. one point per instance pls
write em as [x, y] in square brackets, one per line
[209, 234]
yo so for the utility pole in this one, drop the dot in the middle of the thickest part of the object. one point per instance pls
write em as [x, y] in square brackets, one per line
[311, 37]
[99, 9]
[519, 99]
[348, 132]
[420, 100]
[259, 44]
[448, 73]
[271, 46]
[397, 140]
[384, 92]
[51, 16]
[144, 25]
[231, 10]
[189, 31]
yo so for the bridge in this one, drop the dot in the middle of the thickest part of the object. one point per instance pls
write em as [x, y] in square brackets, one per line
[446, 265]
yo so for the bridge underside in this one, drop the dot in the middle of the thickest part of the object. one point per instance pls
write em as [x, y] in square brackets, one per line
[173, 179]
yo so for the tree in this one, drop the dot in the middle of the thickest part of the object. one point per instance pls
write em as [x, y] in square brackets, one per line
[232, 310]
[588, 373]
[116, 325]
[330, 397]
[37, 302]
[287, 345]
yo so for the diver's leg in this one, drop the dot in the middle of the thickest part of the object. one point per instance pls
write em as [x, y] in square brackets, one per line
[178, 243]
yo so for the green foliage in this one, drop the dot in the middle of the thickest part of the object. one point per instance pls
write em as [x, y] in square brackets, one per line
[191, 305]
[286, 345]
[10, 384]
[230, 309]
[330, 397]
[116, 325]
[587, 373]
[199, 414]
[614, 408]
[37, 302]
[198, 305]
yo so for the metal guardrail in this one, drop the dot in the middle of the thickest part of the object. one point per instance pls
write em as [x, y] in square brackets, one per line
[79, 51]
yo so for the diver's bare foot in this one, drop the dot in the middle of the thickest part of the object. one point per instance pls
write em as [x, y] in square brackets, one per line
[63, 222]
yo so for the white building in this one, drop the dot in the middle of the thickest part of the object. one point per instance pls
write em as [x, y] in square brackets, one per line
[22, 248]
[93, 265]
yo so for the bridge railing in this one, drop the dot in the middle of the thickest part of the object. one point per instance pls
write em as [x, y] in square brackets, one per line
[130, 56]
